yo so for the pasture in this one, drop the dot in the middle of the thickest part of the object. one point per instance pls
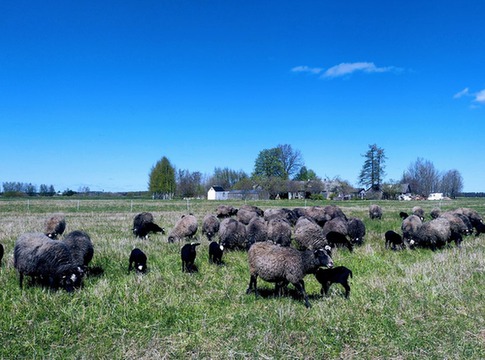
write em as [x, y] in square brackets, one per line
[409, 304]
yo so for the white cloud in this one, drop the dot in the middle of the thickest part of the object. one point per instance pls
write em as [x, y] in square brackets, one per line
[460, 94]
[480, 96]
[307, 69]
[349, 68]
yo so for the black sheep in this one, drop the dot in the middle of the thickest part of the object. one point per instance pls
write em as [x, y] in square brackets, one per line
[403, 215]
[143, 225]
[480, 228]
[188, 255]
[215, 253]
[394, 239]
[339, 274]
[336, 239]
[138, 258]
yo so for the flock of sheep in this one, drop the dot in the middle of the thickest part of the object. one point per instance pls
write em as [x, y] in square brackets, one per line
[283, 245]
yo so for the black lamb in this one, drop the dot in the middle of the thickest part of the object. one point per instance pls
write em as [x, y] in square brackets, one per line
[143, 224]
[393, 239]
[188, 255]
[216, 251]
[138, 258]
[339, 274]
[336, 239]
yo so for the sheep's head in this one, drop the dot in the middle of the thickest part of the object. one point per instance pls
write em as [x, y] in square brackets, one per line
[323, 257]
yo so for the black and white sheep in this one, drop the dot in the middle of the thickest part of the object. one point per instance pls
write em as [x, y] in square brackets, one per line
[81, 247]
[279, 231]
[419, 212]
[256, 230]
[336, 275]
[283, 265]
[216, 251]
[393, 240]
[232, 234]
[308, 234]
[210, 226]
[139, 259]
[356, 230]
[143, 224]
[375, 211]
[188, 254]
[337, 239]
[185, 228]
[55, 225]
[50, 261]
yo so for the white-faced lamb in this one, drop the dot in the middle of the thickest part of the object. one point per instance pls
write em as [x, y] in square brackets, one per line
[336, 239]
[336, 275]
[188, 255]
[143, 224]
[81, 247]
[138, 261]
[279, 231]
[308, 234]
[256, 230]
[185, 228]
[225, 211]
[393, 240]
[356, 230]
[210, 226]
[410, 227]
[419, 212]
[283, 265]
[47, 260]
[216, 251]
[232, 235]
[55, 225]
[375, 211]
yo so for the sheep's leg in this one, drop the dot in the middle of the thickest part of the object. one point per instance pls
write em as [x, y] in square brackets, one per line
[300, 286]
[21, 279]
[347, 289]
[252, 285]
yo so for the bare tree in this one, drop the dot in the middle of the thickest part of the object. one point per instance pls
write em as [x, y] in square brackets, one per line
[290, 159]
[451, 183]
[422, 176]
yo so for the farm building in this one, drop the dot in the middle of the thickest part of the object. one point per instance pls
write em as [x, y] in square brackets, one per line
[216, 192]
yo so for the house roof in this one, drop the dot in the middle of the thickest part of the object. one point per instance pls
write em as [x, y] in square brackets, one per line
[217, 188]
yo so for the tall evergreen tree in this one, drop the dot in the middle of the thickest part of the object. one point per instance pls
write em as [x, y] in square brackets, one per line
[372, 173]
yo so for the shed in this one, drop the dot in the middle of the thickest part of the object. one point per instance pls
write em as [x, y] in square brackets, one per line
[216, 192]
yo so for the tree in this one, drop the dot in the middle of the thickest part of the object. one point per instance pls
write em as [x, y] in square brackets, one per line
[227, 178]
[291, 160]
[372, 173]
[305, 175]
[268, 164]
[451, 183]
[162, 182]
[422, 176]
[189, 184]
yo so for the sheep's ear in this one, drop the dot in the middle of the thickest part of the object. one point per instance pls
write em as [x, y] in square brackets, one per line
[328, 248]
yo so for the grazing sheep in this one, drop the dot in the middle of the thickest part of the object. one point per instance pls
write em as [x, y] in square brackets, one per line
[435, 213]
[143, 224]
[256, 230]
[375, 212]
[210, 226]
[336, 239]
[457, 226]
[299, 212]
[393, 239]
[308, 234]
[356, 230]
[419, 212]
[1, 253]
[283, 213]
[188, 254]
[81, 247]
[38, 256]
[215, 253]
[337, 224]
[252, 208]
[225, 211]
[55, 226]
[139, 259]
[283, 265]
[339, 275]
[232, 234]
[317, 214]
[409, 228]
[480, 229]
[185, 228]
[474, 217]
[279, 231]
[434, 234]
[333, 211]
[403, 215]
[245, 215]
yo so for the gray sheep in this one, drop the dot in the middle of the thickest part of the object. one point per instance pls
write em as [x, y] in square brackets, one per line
[47, 260]
[356, 230]
[435, 213]
[419, 212]
[55, 225]
[225, 211]
[375, 212]
[232, 234]
[475, 218]
[308, 234]
[185, 228]
[245, 215]
[210, 226]
[283, 213]
[279, 231]
[337, 224]
[434, 234]
[256, 230]
[283, 265]
[81, 247]
[409, 228]
[457, 226]
[317, 214]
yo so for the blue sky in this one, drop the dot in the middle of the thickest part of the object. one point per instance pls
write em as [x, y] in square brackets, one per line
[94, 93]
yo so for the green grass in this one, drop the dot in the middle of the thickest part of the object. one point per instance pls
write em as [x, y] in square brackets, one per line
[403, 304]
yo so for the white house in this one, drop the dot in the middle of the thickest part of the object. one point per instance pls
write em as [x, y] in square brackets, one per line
[216, 192]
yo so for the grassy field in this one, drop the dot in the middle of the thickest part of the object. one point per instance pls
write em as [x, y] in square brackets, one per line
[403, 304]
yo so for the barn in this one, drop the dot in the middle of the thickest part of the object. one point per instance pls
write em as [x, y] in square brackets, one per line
[216, 192]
